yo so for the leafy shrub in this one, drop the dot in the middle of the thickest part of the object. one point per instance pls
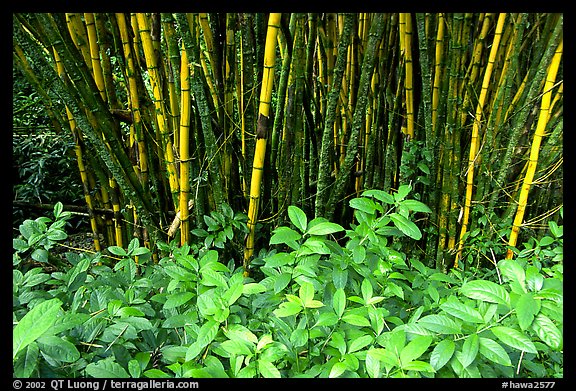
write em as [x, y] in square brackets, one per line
[314, 307]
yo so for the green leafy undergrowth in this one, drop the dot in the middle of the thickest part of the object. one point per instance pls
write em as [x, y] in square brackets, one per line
[314, 306]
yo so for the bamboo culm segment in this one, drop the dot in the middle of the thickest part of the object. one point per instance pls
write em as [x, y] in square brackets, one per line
[261, 133]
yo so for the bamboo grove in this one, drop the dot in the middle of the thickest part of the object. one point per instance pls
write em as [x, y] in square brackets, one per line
[174, 115]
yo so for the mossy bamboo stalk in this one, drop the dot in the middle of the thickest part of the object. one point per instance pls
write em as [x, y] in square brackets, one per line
[368, 63]
[80, 163]
[327, 155]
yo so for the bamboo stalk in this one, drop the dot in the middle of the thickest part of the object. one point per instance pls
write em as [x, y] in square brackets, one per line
[535, 148]
[475, 132]
[261, 134]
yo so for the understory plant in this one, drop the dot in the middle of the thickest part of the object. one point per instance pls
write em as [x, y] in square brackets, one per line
[322, 301]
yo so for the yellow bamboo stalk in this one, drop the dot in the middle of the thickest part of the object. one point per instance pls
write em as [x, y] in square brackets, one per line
[261, 133]
[79, 36]
[535, 148]
[406, 48]
[475, 131]
[100, 84]
[80, 161]
[150, 57]
[437, 69]
[184, 147]
[95, 54]
[133, 100]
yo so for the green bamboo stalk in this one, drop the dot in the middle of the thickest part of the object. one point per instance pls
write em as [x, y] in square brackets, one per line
[325, 160]
[376, 31]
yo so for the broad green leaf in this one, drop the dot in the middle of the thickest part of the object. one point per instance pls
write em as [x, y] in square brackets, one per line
[208, 332]
[407, 227]
[548, 332]
[287, 308]
[416, 206]
[134, 368]
[526, 309]
[35, 323]
[213, 278]
[178, 299]
[337, 369]
[211, 256]
[385, 355]
[20, 246]
[58, 348]
[233, 293]
[439, 324]
[339, 302]
[442, 353]
[281, 281]
[419, 366]
[556, 230]
[359, 254]
[140, 251]
[396, 290]
[35, 279]
[512, 271]
[40, 255]
[26, 361]
[106, 368]
[366, 289]
[372, 366]
[268, 370]
[414, 349]
[326, 319]
[194, 350]
[119, 251]
[356, 320]
[364, 204]
[359, 343]
[58, 208]
[236, 347]
[279, 259]
[514, 339]
[306, 292]
[284, 235]
[337, 341]
[314, 304]
[237, 331]
[314, 245]
[57, 235]
[129, 311]
[494, 352]
[486, 291]
[402, 192]
[324, 228]
[461, 311]
[299, 337]
[263, 342]
[534, 280]
[298, 218]
[380, 195]
[113, 307]
[252, 288]
[469, 350]
[156, 373]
